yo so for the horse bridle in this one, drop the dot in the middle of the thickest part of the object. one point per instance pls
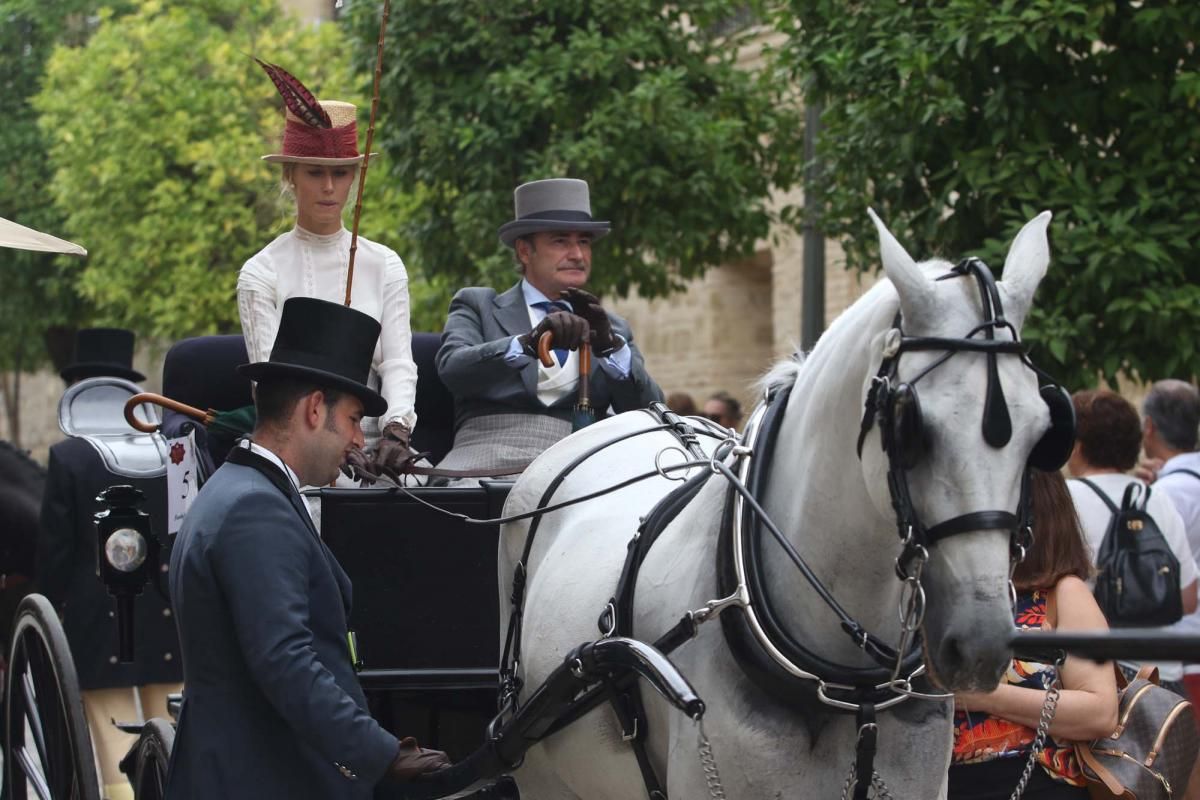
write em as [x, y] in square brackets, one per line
[768, 650]
[896, 406]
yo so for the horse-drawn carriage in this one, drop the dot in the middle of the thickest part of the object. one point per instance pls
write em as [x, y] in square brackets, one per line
[645, 527]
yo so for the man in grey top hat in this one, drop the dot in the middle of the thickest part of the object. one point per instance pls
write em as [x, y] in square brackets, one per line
[509, 407]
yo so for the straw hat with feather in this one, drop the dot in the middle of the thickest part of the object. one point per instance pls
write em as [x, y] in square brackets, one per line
[322, 132]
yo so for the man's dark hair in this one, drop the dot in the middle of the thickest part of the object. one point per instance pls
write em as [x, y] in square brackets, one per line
[275, 398]
[1175, 408]
[1107, 428]
[731, 403]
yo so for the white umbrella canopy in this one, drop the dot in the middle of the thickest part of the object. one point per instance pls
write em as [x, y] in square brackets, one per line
[23, 238]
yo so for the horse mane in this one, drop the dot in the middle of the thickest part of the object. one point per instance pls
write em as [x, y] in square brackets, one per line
[781, 375]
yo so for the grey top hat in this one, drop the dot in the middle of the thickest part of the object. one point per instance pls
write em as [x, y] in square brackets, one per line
[554, 204]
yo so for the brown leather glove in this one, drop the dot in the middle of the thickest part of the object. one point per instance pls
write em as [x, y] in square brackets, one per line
[570, 332]
[393, 451]
[359, 466]
[412, 760]
[588, 306]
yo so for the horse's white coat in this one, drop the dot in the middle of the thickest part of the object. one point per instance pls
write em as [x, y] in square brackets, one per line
[837, 512]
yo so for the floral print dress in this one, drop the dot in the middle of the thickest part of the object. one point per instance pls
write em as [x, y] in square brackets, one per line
[980, 737]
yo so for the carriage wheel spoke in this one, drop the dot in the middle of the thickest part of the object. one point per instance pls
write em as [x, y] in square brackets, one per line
[34, 719]
[56, 752]
[33, 776]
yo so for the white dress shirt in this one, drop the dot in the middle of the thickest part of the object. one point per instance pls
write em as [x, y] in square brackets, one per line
[303, 264]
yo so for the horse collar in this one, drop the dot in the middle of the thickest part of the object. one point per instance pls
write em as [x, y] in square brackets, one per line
[766, 652]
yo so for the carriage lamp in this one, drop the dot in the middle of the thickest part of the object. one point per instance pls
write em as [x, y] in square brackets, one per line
[126, 555]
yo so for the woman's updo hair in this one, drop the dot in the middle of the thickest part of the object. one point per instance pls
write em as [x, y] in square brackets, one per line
[1108, 429]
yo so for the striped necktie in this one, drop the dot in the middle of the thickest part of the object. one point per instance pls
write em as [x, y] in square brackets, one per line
[550, 306]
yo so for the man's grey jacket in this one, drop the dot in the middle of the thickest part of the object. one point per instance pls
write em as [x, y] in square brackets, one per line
[272, 707]
[479, 327]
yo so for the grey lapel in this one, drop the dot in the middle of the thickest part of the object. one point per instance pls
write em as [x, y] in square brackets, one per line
[511, 311]
[513, 316]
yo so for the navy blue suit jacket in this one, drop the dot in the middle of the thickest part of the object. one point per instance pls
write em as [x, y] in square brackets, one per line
[272, 706]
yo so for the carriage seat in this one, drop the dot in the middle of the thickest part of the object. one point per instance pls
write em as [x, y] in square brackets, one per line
[94, 410]
[201, 372]
[435, 405]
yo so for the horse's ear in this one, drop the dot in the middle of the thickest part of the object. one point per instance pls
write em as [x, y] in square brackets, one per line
[1025, 267]
[914, 288]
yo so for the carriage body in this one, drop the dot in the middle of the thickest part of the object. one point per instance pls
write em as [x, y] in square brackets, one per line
[425, 609]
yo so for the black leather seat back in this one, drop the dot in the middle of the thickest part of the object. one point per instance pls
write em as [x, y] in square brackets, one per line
[435, 405]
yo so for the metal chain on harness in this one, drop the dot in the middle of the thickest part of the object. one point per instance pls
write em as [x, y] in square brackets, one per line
[1049, 706]
[881, 790]
[708, 762]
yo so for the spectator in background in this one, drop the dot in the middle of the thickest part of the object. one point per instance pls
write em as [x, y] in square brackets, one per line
[994, 731]
[1171, 414]
[1107, 442]
[681, 403]
[723, 409]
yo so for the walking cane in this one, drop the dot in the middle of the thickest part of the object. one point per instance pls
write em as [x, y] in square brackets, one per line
[583, 414]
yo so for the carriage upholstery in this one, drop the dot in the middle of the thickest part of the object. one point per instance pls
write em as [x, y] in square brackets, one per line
[434, 433]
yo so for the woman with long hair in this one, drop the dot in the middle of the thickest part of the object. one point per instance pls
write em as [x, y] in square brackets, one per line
[994, 730]
[320, 163]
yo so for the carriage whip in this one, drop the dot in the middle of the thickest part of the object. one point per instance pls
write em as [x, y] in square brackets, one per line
[362, 179]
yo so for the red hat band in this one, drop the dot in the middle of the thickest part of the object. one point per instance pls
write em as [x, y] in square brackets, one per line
[305, 141]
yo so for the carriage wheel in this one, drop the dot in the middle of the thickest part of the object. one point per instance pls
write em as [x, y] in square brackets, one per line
[146, 764]
[47, 747]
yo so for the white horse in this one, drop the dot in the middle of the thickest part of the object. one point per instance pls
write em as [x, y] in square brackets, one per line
[835, 508]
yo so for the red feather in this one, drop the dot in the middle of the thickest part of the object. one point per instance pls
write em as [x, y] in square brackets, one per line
[299, 100]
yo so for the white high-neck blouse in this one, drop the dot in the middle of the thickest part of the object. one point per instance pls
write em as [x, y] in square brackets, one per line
[303, 264]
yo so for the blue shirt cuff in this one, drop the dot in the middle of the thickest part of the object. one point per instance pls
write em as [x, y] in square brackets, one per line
[617, 363]
[515, 355]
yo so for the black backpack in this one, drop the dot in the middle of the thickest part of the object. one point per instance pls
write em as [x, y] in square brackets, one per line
[1137, 580]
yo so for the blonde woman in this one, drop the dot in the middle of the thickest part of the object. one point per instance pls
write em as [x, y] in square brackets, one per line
[320, 163]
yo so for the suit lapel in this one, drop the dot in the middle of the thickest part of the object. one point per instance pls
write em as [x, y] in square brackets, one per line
[513, 316]
[248, 458]
[511, 312]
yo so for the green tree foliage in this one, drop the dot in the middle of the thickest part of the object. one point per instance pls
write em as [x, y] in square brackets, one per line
[960, 120]
[681, 146]
[36, 297]
[156, 127]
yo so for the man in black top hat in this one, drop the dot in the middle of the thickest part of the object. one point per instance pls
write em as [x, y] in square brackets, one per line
[272, 706]
[102, 351]
[66, 574]
[509, 406]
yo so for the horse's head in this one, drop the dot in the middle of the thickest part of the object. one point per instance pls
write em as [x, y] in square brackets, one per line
[959, 419]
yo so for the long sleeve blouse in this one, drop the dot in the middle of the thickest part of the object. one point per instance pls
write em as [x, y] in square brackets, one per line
[304, 264]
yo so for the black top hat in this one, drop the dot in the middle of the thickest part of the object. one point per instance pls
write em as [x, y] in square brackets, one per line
[328, 343]
[102, 352]
[554, 204]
